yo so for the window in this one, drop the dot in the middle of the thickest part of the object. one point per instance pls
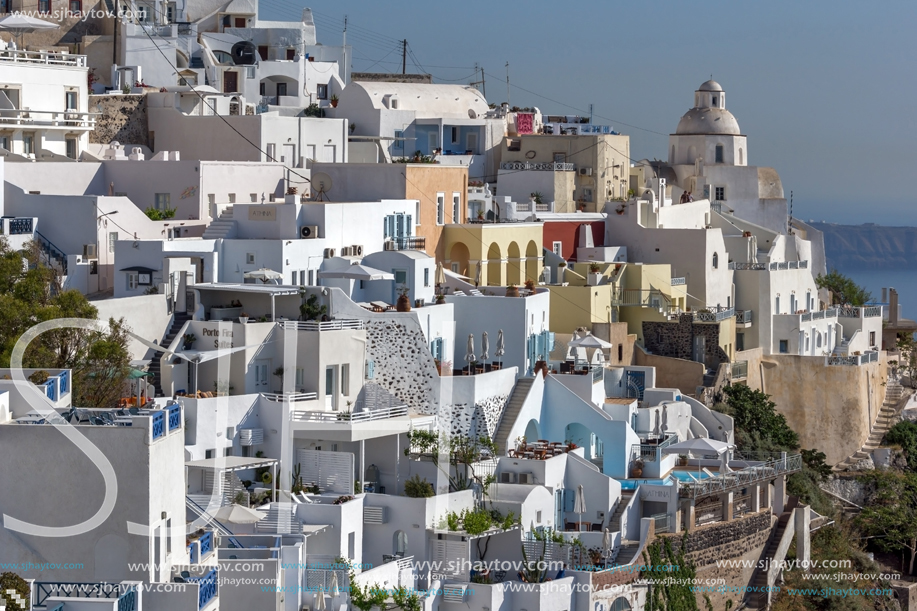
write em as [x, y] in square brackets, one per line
[716, 261]
[455, 267]
[872, 338]
[720, 194]
[262, 89]
[240, 22]
[560, 158]
[777, 305]
[232, 198]
[72, 148]
[436, 349]
[784, 346]
[112, 238]
[5, 142]
[28, 144]
[44, 6]
[620, 352]
[394, 103]
[398, 143]
[558, 248]
[163, 200]
[170, 13]
[254, 199]
[351, 545]
[132, 278]
[299, 376]
[291, 54]
[227, 451]
[719, 153]
[281, 89]
[538, 517]
[620, 604]
[293, 281]
[72, 100]
[455, 134]
[587, 194]
[271, 151]
[208, 453]
[456, 207]
[321, 92]
[440, 208]
[714, 100]
[345, 380]
[302, 278]
[250, 258]
[426, 276]
[5, 6]
[329, 381]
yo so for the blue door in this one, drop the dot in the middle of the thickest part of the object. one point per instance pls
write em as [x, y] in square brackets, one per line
[636, 384]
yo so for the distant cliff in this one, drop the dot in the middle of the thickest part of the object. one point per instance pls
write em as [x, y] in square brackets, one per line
[869, 246]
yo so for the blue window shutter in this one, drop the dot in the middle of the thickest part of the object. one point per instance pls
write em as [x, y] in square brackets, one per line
[550, 341]
[370, 369]
[389, 226]
[409, 227]
[569, 499]
[539, 347]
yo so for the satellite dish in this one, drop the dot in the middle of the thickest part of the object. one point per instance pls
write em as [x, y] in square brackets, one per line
[243, 53]
[321, 184]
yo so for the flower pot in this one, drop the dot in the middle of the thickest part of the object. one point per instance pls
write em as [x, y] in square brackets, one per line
[635, 472]
[594, 278]
[243, 319]
[403, 304]
[512, 291]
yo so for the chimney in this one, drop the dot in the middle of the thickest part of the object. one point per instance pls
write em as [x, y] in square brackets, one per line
[884, 295]
[892, 307]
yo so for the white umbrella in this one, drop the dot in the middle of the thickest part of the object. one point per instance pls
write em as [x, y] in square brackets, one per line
[699, 445]
[665, 417]
[357, 272]
[440, 274]
[264, 274]
[237, 514]
[19, 24]
[501, 348]
[469, 354]
[320, 600]
[485, 347]
[579, 503]
[572, 347]
[590, 341]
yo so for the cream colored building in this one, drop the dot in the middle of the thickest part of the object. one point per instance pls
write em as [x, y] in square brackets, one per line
[507, 253]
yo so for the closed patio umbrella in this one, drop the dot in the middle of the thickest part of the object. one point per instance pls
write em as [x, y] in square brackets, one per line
[656, 427]
[606, 544]
[477, 275]
[237, 514]
[469, 353]
[333, 587]
[501, 348]
[320, 600]
[440, 274]
[579, 503]
[485, 347]
[665, 417]
[264, 274]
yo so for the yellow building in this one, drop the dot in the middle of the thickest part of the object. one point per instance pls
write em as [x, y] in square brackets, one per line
[507, 253]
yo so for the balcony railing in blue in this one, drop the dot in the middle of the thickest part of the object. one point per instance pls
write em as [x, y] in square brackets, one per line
[51, 389]
[125, 593]
[128, 601]
[174, 417]
[208, 591]
[64, 385]
[159, 425]
[206, 543]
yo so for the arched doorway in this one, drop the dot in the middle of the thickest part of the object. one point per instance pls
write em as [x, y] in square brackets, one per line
[532, 431]
[458, 259]
[494, 266]
[513, 265]
[400, 543]
[531, 261]
[586, 439]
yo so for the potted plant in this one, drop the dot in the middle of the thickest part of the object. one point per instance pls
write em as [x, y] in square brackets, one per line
[530, 284]
[512, 290]
[682, 460]
[480, 215]
[595, 277]
[404, 302]
[440, 299]
[637, 469]
[334, 101]
[188, 340]
[243, 318]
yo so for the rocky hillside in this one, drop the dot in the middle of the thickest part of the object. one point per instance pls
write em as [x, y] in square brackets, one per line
[869, 246]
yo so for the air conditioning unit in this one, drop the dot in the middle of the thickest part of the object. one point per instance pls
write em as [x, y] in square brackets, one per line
[507, 477]
[308, 232]
[585, 171]
[90, 251]
[329, 252]
[526, 478]
[390, 245]
[357, 250]
[346, 251]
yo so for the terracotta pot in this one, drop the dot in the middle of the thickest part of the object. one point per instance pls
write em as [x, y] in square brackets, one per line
[403, 304]
[636, 472]
[512, 291]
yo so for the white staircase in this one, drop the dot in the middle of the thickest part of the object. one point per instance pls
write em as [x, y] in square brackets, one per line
[280, 519]
[894, 393]
[223, 227]
[510, 412]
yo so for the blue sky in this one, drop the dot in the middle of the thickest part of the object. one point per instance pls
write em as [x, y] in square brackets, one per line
[823, 90]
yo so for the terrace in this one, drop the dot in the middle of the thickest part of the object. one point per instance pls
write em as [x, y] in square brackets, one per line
[60, 594]
[161, 422]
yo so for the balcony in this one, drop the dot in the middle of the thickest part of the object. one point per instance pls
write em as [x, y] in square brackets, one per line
[853, 360]
[42, 57]
[208, 588]
[349, 417]
[24, 118]
[756, 467]
[546, 166]
[406, 243]
[647, 298]
[201, 548]
[124, 593]
[16, 226]
[739, 370]
[714, 315]
[291, 397]
[744, 317]
[355, 324]
[867, 312]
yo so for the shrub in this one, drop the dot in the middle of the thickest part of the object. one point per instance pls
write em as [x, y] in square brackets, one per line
[418, 488]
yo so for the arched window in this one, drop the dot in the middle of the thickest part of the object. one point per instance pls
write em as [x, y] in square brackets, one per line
[716, 261]
[399, 543]
[741, 157]
[818, 340]
[620, 604]
[718, 157]
[714, 101]
[672, 156]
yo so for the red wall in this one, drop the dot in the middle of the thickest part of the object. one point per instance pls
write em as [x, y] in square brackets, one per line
[568, 232]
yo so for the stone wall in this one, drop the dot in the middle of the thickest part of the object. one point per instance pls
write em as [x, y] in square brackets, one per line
[676, 339]
[478, 420]
[123, 119]
[403, 364]
[724, 540]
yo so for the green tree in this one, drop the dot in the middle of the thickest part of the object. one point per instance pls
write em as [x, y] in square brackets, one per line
[904, 434]
[888, 516]
[844, 291]
[12, 581]
[759, 427]
[462, 452]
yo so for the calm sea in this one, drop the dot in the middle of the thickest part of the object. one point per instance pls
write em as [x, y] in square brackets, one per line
[903, 280]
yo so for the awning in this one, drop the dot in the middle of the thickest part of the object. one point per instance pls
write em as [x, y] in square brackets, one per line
[139, 269]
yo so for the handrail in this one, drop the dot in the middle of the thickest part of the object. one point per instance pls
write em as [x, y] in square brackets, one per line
[42, 57]
[741, 478]
[52, 251]
[292, 397]
[328, 325]
[202, 513]
[549, 166]
[347, 417]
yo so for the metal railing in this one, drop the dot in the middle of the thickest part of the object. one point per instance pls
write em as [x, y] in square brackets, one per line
[821, 314]
[739, 369]
[650, 452]
[867, 312]
[414, 242]
[292, 397]
[174, 416]
[740, 266]
[678, 281]
[69, 119]
[545, 166]
[208, 588]
[328, 325]
[715, 315]
[651, 298]
[765, 470]
[350, 417]
[661, 522]
[159, 424]
[42, 57]
[18, 226]
[788, 265]
[744, 317]
[853, 360]
[52, 252]
[73, 589]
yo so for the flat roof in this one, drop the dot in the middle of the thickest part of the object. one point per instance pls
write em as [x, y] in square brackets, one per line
[231, 463]
[620, 400]
[267, 289]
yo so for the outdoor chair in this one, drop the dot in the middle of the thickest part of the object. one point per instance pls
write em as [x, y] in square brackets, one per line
[133, 411]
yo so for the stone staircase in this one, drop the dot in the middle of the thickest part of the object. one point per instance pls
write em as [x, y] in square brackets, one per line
[756, 599]
[894, 393]
[223, 227]
[178, 321]
[614, 524]
[627, 553]
[510, 412]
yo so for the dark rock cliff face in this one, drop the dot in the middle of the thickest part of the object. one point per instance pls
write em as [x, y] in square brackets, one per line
[869, 246]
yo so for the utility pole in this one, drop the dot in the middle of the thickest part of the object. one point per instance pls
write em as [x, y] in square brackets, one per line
[483, 85]
[590, 113]
[507, 84]
[481, 82]
[344, 50]
[404, 56]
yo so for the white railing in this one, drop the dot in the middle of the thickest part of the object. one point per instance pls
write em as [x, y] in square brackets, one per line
[853, 312]
[328, 325]
[43, 57]
[68, 119]
[678, 282]
[292, 397]
[853, 360]
[716, 315]
[545, 166]
[348, 417]
[788, 265]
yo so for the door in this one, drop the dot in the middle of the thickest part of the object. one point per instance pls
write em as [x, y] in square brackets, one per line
[700, 349]
[240, 22]
[281, 90]
[262, 371]
[636, 384]
[230, 82]
[189, 302]
[262, 52]
[472, 143]
[401, 280]
[431, 142]
[329, 153]
[329, 387]
[289, 154]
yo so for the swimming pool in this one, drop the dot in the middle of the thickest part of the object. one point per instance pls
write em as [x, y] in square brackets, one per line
[686, 476]
[632, 484]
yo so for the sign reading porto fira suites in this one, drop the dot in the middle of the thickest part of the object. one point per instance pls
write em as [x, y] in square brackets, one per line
[222, 338]
[262, 213]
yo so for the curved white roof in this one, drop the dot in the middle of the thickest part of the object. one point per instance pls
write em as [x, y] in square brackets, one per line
[710, 85]
[427, 101]
[708, 121]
